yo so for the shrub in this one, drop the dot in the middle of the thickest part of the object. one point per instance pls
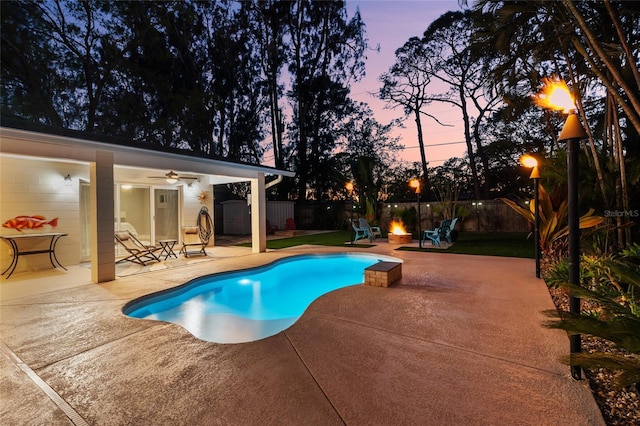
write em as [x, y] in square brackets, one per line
[612, 284]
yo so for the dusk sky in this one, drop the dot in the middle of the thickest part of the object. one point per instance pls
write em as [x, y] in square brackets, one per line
[390, 24]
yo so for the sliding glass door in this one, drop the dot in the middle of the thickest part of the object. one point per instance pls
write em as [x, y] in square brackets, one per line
[149, 218]
[165, 214]
[133, 209]
[151, 214]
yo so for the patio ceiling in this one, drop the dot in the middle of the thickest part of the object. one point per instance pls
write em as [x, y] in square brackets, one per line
[131, 164]
[154, 176]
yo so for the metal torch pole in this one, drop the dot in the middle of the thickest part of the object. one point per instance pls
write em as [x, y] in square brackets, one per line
[351, 228]
[536, 227]
[574, 244]
[419, 224]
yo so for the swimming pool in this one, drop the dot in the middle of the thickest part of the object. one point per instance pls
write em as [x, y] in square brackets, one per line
[251, 304]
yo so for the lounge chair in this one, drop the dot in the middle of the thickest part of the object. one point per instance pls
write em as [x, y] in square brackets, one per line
[191, 239]
[361, 232]
[138, 252]
[374, 231]
[440, 233]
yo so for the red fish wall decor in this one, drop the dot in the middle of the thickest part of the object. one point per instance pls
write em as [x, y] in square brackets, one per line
[29, 222]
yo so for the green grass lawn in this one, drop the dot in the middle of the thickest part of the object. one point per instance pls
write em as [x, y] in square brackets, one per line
[333, 238]
[507, 244]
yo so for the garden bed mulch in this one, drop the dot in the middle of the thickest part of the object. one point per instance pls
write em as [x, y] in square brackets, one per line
[619, 407]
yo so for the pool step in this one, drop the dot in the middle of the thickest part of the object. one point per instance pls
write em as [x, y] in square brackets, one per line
[383, 274]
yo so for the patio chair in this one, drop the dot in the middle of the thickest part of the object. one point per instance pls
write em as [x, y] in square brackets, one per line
[361, 232]
[451, 228]
[197, 236]
[271, 229]
[191, 238]
[374, 231]
[440, 233]
[138, 252]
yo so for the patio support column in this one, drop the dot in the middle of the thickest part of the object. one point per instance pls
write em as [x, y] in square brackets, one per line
[211, 205]
[103, 255]
[258, 215]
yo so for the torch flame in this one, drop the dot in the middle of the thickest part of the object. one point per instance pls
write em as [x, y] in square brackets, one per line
[397, 228]
[555, 94]
[528, 161]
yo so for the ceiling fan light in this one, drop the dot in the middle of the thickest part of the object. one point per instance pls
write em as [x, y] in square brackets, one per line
[172, 177]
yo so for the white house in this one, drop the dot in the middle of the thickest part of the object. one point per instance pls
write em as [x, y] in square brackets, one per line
[95, 187]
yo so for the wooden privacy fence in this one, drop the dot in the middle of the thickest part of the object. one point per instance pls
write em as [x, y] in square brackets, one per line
[475, 216]
[233, 217]
[480, 216]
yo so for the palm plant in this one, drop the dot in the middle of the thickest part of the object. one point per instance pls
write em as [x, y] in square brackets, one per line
[554, 227]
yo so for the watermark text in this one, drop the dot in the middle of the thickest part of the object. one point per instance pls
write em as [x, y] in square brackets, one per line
[622, 213]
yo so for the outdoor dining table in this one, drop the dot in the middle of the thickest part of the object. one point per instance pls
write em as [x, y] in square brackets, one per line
[13, 240]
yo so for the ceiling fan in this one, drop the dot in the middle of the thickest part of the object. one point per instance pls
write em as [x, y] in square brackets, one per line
[173, 177]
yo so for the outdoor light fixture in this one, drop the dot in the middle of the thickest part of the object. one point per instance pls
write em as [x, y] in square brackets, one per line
[349, 188]
[67, 178]
[171, 177]
[556, 95]
[415, 183]
[531, 162]
[477, 205]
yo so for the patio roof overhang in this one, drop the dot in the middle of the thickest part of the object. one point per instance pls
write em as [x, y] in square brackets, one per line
[131, 164]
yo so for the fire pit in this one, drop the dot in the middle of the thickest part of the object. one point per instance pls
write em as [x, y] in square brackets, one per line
[399, 238]
[398, 234]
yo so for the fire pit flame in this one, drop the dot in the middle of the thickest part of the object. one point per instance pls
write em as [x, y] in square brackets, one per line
[398, 233]
[397, 228]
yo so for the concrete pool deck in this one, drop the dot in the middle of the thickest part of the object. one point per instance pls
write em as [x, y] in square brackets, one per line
[459, 340]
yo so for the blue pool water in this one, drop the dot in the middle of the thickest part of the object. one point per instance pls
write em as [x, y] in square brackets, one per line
[251, 304]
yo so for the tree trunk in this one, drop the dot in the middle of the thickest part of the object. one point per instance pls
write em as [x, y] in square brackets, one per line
[467, 139]
[623, 42]
[618, 154]
[423, 155]
[483, 157]
[633, 113]
[592, 147]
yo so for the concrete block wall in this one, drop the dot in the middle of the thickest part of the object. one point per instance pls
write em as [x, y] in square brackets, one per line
[37, 187]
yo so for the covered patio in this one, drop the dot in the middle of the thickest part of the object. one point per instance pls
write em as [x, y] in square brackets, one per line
[82, 182]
